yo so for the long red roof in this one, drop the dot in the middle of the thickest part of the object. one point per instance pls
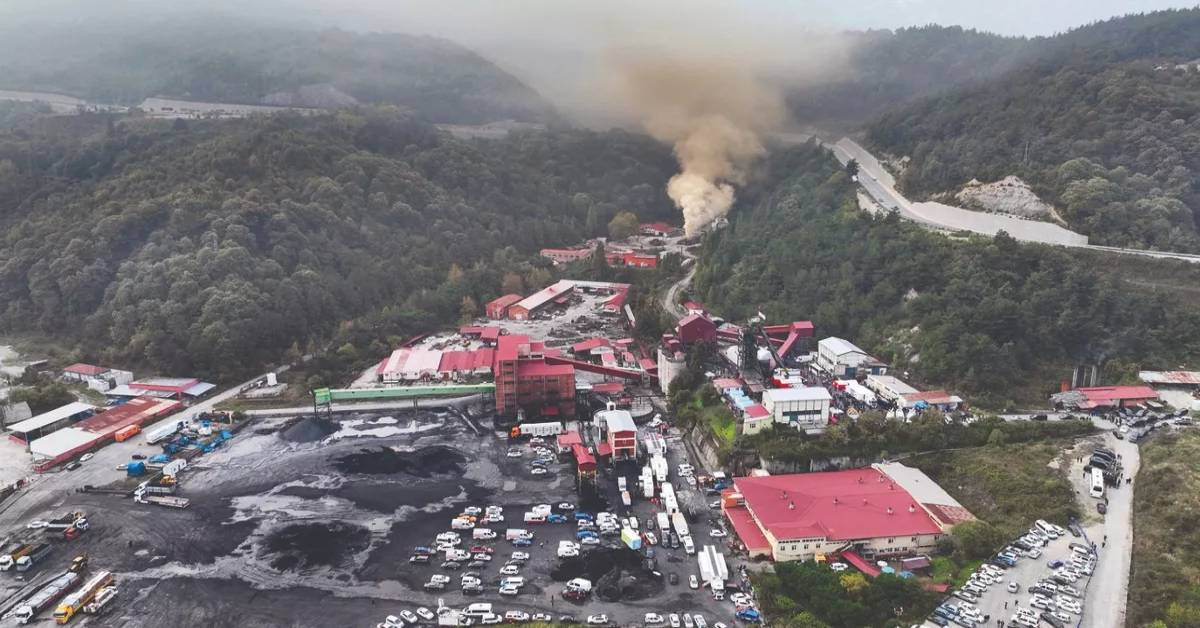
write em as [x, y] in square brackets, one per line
[838, 505]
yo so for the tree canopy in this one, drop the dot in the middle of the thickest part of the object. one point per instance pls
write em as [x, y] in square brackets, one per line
[212, 248]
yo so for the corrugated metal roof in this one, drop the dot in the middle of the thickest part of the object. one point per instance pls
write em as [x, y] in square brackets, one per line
[51, 417]
[839, 346]
[1179, 378]
[60, 442]
[797, 394]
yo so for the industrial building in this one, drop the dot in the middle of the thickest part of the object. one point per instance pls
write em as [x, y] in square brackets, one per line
[670, 364]
[162, 387]
[98, 378]
[935, 399]
[68, 442]
[695, 328]
[619, 433]
[889, 389]
[848, 513]
[756, 418]
[1105, 397]
[841, 358]
[803, 408]
[33, 428]
[658, 229]
[566, 256]
[497, 309]
[639, 260]
[526, 382]
[531, 305]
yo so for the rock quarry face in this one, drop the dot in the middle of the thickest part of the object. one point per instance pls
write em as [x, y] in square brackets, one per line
[1009, 195]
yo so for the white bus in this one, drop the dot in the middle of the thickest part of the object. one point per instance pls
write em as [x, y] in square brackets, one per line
[1097, 483]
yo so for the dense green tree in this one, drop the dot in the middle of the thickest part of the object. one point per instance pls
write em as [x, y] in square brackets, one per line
[623, 225]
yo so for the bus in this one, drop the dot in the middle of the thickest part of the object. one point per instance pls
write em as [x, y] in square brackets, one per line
[1097, 483]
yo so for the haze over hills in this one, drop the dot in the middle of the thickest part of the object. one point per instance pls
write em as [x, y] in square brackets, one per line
[220, 58]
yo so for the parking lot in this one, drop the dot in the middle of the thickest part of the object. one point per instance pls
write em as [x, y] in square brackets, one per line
[999, 604]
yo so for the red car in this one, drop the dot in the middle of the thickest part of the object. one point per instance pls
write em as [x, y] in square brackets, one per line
[482, 549]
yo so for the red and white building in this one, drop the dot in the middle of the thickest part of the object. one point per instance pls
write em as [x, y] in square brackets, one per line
[619, 433]
[526, 382]
[885, 510]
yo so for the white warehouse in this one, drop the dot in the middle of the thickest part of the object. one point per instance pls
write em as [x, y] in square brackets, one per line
[842, 358]
[803, 408]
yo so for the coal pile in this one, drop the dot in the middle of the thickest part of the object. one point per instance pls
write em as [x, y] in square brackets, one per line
[310, 545]
[308, 429]
[423, 463]
[618, 573]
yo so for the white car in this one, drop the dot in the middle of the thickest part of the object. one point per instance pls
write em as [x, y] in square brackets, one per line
[838, 566]
[568, 552]
[471, 510]
[514, 453]
[491, 618]
[509, 590]
[590, 540]
[516, 616]
[510, 570]
[568, 506]
[597, 620]
[437, 577]
[717, 534]
[538, 471]
[520, 556]
[409, 616]
[653, 619]
[674, 620]
[425, 613]
[86, 457]
[693, 581]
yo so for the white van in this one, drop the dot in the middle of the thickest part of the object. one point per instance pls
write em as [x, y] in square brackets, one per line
[579, 584]
[461, 524]
[483, 534]
[688, 545]
[479, 609]
[1047, 527]
[517, 533]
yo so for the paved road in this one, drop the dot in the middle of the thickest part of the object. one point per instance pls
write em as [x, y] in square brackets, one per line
[881, 186]
[1108, 593]
[671, 296]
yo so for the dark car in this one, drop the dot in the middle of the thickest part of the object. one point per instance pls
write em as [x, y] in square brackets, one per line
[73, 466]
[1052, 620]
[138, 457]
[1101, 508]
[419, 559]
[451, 564]
[673, 578]
[1039, 417]
[938, 620]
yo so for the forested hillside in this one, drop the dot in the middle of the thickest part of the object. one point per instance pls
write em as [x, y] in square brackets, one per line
[125, 58]
[1101, 123]
[888, 68]
[213, 246]
[992, 318]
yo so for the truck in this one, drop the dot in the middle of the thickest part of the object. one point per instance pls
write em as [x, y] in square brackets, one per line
[103, 601]
[713, 569]
[157, 488]
[126, 433]
[169, 501]
[160, 432]
[680, 524]
[553, 428]
[664, 523]
[66, 521]
[7, 561]
[45, 597]
[631, 539]
[688, 545]
[79, 598]
[26, 562]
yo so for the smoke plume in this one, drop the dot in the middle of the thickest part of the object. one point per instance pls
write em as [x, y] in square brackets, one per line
[715, 114]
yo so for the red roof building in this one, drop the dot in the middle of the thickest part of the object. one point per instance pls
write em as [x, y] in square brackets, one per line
[85, 370]
[804, 515]
[616, 301]
[1115, 396]
[660, 229]
[534, 303]
[498, 308]
[586, 346]
[695, 328]
[640, 260]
